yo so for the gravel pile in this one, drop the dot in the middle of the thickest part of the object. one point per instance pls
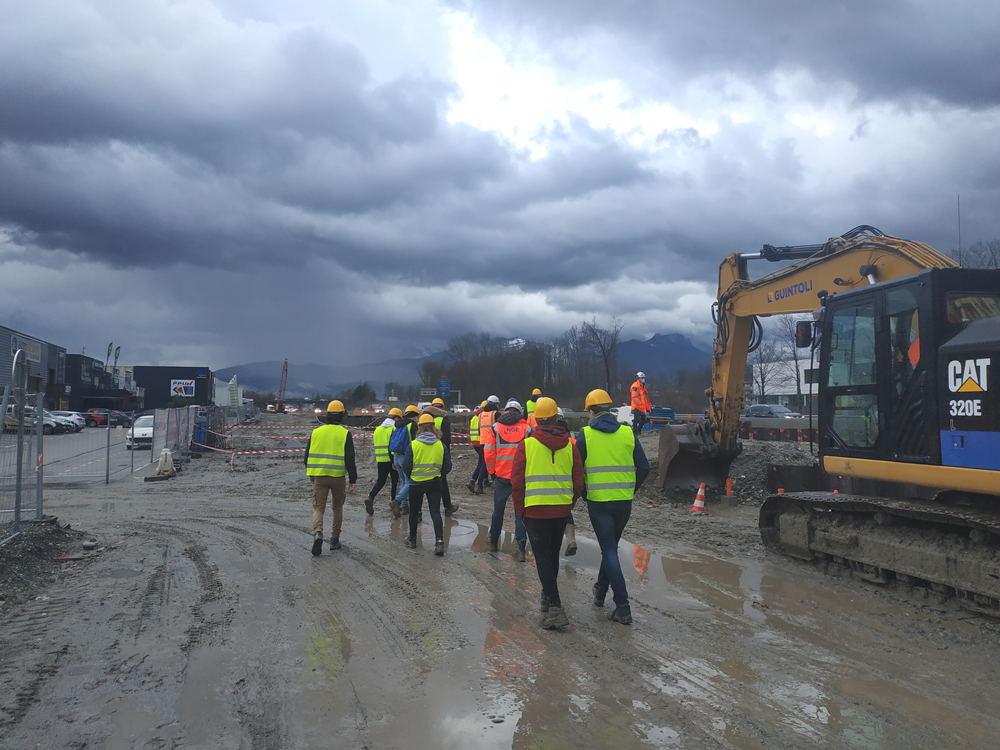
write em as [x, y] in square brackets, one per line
[27, 563]
[749, 470]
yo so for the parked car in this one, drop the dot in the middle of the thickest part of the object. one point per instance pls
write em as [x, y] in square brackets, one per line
[74, 417]
[101, 418]
[460, 409]
[50, 425]
[772, 411]
[140, 434]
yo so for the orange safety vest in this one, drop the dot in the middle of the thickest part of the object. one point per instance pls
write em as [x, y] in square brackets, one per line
[486, 420]
[501, 445]
[640, 399]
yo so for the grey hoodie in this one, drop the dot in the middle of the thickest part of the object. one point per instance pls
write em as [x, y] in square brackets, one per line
[428, 438]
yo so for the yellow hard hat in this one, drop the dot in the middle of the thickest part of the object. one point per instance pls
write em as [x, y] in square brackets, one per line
[335, 406]
[545, 408]
[411, 409]
[425, 419]
[482, 405]
[395, 412]
[597, 397]
[536, 392]
[438, 402]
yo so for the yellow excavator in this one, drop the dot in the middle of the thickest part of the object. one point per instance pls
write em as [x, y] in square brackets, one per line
[906, 486]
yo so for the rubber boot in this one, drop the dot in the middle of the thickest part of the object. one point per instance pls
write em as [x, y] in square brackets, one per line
[519, 552]
[570, 540]
[494, 544]
[370, 506]
[555, 618]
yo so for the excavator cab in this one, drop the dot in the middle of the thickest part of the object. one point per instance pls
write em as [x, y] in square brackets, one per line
[905, 372]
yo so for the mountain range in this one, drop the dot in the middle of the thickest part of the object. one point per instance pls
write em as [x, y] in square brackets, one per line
[663, 354]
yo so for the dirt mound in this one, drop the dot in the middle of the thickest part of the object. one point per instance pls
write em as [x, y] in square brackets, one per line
[749, 470]
[27, 563]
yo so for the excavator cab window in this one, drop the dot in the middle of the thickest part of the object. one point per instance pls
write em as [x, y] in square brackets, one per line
[851, 376]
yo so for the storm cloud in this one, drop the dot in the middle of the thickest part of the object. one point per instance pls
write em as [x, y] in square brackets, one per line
[229, 182]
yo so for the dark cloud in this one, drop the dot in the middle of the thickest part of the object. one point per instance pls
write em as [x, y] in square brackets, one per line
[897, 50]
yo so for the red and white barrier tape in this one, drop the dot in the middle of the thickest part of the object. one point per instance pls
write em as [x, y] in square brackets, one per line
[259, 453]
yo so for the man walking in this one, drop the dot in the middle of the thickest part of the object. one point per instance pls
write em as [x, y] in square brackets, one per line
[442, 423]
[615, 467]
[329, 459]
[404, 431]
[475, 484]
[640, 403]
[383, 459]
[546, 479]
[486, 421]
[427, 461]
[499, 448]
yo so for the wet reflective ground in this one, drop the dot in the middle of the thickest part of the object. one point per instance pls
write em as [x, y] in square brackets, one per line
[206, 623]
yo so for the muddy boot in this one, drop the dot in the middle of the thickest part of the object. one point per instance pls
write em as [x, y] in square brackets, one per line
[410, 542]
[479, 489]
[494, 544]
[570, 540]
[599, 596]
[370, 506]
[317, 542]
[394, 507]
[472, 486]
[335, 544]
[439, 547]
[555, 618]
[622, 614]
[451, 508]
[519, 552]
[545, 604]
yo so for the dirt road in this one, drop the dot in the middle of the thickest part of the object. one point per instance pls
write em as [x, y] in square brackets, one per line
[203, 622]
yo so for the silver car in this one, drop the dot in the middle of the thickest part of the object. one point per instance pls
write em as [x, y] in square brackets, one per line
[140, 434]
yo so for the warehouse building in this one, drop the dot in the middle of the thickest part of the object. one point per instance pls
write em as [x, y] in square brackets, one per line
[46, 366]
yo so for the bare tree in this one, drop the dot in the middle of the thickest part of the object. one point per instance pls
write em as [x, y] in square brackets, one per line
[979, 255]
[604, 341]
[765, 365]
[789, 354]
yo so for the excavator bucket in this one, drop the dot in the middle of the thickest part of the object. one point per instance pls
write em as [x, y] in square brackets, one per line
[686, 458]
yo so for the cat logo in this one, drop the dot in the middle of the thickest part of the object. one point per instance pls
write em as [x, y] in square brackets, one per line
[968, 376]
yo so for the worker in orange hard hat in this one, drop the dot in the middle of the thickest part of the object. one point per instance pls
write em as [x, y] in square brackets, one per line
[330, 466]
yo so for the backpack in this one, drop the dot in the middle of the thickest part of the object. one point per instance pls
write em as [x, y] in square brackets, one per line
[400, 439]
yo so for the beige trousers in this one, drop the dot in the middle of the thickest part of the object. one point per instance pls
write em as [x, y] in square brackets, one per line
[336, 487]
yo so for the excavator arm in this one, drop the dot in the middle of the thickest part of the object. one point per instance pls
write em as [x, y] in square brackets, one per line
[702, 452]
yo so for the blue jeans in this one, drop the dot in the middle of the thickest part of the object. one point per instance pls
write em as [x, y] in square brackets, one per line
[479, 475]
[501, 492]
[404, 480]
[608, 520]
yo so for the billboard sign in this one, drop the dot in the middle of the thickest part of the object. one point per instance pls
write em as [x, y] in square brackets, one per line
[32, 349]
[443, 389]
[183, 388]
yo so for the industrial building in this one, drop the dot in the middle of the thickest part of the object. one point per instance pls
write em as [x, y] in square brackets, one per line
[46, 366]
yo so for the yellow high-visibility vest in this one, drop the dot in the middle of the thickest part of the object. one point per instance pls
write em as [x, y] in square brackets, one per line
[609, 465]
[381, 442]
[427, 460]
[548, 475]
[326, 451]
[474, 428]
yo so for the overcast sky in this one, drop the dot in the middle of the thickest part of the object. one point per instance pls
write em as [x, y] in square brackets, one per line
[216, 183]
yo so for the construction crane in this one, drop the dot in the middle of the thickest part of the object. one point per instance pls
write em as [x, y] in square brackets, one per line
[280, 405]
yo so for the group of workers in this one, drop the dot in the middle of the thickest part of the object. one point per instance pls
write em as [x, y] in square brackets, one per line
[527, 454]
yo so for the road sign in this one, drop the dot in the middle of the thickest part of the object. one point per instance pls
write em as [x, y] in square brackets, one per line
[443, 389]
[428, 392]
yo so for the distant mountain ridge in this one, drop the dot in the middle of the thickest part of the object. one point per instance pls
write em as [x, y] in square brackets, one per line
[305, 380]
[662, 354]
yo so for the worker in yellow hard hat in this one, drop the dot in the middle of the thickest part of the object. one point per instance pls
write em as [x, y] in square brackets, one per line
[615, 468]
[404, 431]
[330, 465]
[383, 459]
[546, 480]
[475, 484]
[443, 424]
[530, 405]
[427, 462]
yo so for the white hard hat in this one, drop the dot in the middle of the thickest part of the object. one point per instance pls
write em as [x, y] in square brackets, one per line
[640, 374]
[513, 403]
[493, 400]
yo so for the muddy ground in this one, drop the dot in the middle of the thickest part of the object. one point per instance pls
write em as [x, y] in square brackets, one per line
[202, 621]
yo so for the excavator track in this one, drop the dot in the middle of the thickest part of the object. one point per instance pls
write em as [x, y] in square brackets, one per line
[924, 546]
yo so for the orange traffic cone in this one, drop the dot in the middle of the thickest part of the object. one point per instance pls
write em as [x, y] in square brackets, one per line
[699, 501]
